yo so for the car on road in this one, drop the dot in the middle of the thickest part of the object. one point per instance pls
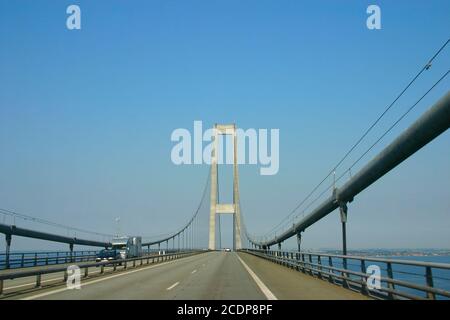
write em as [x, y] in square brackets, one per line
[107, 255]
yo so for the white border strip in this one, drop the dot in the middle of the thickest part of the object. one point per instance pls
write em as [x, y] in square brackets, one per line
[269, 295]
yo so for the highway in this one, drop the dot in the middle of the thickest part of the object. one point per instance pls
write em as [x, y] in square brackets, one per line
[207, 276]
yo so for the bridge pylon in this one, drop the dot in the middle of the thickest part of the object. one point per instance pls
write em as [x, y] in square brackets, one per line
[224, 208]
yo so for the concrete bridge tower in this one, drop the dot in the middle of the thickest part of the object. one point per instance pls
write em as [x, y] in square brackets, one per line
[222, 208]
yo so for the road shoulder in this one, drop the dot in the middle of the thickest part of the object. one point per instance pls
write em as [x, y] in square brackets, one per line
[289, 284]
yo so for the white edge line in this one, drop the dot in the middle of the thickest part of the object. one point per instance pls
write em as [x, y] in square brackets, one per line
[44, 281]
[269, 295]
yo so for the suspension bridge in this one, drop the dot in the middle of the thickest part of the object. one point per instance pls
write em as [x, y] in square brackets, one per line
[180, 266]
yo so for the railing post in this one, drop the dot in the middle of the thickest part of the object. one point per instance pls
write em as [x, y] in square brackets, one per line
[319, 262]
[363, 279]
[22, 263]
[430, 283]
[391, 286]
[86, 272]
[343, 211]
[71, 252]
[310, 264]
[330, 264]
[1, 287]
[102, 268]
[8, 238]
[303, 263]
[38, 280]
[297, 258]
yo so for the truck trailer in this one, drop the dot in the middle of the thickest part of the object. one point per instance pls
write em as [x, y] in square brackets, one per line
[128, 247]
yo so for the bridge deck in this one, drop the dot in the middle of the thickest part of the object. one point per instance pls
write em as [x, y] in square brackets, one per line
[288, 284]
[213, 275]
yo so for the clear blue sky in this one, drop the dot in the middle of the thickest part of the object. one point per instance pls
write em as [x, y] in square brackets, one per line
[86, 116]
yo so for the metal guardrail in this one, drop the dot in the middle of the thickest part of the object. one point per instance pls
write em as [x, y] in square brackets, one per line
[335, 269]
[124, 263]
[33, 259]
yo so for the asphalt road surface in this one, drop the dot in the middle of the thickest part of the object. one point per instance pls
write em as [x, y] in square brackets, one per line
[206, 276]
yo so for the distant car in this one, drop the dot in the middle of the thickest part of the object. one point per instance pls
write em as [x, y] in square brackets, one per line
[107, 255]
[227, 250]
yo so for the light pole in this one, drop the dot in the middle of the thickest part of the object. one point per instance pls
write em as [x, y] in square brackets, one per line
[118, 226]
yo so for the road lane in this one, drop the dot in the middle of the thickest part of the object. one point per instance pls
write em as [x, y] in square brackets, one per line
[211, 275]
[28, 283]
[223, 278]
[23, 287]
[218, 275]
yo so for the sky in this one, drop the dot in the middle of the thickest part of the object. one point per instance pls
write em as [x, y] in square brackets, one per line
[86, 116]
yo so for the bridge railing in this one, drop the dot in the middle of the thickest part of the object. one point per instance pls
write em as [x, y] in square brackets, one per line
[84, 268]
[399, 279]
[39, 258]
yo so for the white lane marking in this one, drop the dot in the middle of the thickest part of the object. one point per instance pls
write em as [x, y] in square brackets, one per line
[194, 271]
[31, 283]
[44, 281]
[269, 295]
[173, 286]
[99, 280]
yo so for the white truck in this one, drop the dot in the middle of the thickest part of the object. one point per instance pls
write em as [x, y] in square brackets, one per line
[128, 247]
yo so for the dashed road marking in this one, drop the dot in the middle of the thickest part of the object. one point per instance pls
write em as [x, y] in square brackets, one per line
[173, 286]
